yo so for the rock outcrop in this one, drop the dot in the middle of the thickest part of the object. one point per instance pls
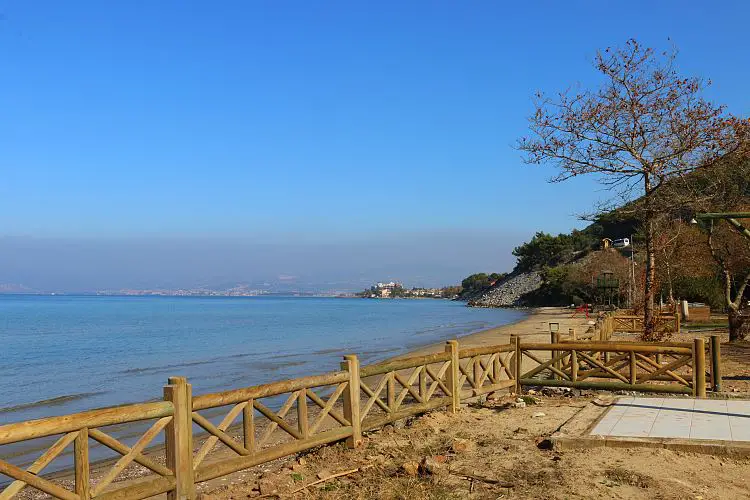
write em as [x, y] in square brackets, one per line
[510, 291]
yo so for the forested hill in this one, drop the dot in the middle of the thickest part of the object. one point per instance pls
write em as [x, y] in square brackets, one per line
[554, 270]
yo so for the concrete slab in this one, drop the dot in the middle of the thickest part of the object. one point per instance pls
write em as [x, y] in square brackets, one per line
[716, 427]
[691, 419]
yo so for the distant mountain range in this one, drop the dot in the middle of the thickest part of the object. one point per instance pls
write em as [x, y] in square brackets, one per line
[239, 290]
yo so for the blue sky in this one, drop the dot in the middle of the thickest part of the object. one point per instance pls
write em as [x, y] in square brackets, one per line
[311, 122]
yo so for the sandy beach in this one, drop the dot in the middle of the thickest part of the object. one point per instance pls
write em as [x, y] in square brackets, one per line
[534, 327]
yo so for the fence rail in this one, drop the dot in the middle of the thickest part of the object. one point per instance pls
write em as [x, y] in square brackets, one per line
[265, 422]
[629, 323]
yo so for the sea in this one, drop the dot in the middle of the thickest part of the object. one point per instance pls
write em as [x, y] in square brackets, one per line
[64, 354]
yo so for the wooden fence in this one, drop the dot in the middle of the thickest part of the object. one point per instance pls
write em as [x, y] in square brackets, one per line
[335, 406]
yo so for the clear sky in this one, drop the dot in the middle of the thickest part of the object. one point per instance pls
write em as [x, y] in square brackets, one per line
[307, 123]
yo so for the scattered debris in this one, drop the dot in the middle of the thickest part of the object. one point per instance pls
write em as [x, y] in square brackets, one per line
[487, 480]
[330, 476]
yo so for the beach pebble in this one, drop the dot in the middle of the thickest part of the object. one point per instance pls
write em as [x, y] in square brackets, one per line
[520, 404]
[461, 445]
[266, 486]
[538, 414]
[324, 474]
[410, 468]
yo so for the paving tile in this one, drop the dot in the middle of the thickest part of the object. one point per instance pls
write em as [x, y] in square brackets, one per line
[674, 420]
[679, 404]
[738, 407]
[684, 418]
[711, 405]
[605, 425]
[740, 427]
[639, 418]
[710, 426]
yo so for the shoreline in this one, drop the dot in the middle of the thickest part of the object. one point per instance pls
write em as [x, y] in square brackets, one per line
[534, 326]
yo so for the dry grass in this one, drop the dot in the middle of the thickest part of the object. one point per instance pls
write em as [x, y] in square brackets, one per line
[503, 461]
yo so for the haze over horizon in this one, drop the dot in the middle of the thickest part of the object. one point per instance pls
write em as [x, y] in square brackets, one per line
[183, 144]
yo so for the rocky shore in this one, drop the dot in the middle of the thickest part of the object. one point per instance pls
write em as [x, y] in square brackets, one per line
[509, 292]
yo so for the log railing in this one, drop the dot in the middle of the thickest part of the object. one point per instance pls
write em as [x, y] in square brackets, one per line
[634, 324]
[77, 430]
[252, 425]
[669, 368]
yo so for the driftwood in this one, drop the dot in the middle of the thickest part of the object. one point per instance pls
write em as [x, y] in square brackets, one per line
[332, 476]
[488, 480]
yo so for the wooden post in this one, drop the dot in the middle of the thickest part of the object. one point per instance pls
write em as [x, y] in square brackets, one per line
[554, 339]
[248, 425]
[572, 333]
[82, 471]
[454, 374]
[302, 423]
[179, 438]
[633, 369]
[677, 321]
[716, 363]
[352, 400]
[699, 368]
[518, 365]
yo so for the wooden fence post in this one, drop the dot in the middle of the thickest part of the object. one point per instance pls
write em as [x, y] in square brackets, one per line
[518, 365]
[303, 424]
[716, 363]
[248, 425]
[699, 368]
[633, 368]
[572, 333]
[555, 339]
[352, 400]
[677, 321]
[454, 374]
[179, 438]
[82, 470]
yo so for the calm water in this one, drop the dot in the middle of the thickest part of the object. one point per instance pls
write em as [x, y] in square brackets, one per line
[67, 354]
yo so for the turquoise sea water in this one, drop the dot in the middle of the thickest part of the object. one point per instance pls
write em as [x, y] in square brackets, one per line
[66, 354]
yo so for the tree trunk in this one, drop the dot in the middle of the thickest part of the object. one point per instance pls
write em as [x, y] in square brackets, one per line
[737, 329]
[670, 298]
[649, 325]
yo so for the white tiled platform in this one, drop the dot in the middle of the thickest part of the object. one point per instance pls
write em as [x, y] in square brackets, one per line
[714, 419]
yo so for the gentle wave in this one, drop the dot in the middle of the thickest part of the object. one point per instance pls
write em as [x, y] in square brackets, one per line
[58, 401]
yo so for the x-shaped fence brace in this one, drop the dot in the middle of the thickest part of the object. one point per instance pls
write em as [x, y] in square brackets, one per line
[276, 420]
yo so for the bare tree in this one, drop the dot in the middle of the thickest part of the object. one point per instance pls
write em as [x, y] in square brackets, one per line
[726, 188]
[732, 254]
[644, 125]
